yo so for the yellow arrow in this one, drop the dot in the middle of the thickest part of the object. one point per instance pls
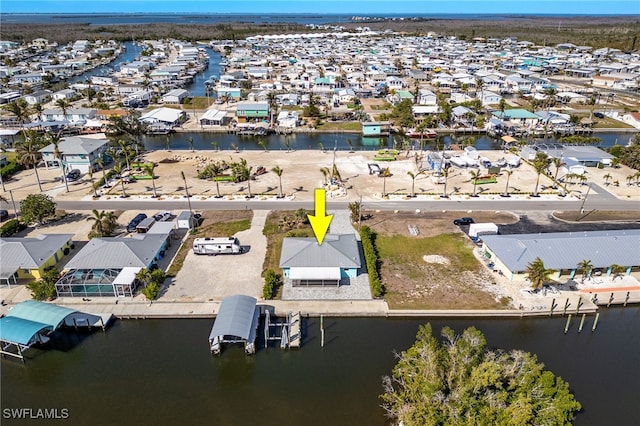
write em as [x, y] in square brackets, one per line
[320, 222]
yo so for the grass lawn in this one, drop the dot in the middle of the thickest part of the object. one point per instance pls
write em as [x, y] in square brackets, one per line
[412, 283]
[609, 123]
[275, 236]
[340, 125]
[215, 223]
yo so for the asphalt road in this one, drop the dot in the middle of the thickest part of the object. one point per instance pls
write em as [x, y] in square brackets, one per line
[592, 203]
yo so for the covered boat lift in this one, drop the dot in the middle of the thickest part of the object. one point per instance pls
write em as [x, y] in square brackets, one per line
[31, 322]
[237, 322]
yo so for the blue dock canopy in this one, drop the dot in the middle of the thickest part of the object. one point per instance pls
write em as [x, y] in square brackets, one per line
[28, 319]
[21, 331]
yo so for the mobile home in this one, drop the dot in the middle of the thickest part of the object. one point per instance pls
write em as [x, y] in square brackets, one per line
[214, 246]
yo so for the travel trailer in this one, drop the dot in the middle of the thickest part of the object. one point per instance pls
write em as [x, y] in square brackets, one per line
[214, 246]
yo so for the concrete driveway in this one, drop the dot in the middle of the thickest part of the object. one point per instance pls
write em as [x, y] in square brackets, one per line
[212, 278]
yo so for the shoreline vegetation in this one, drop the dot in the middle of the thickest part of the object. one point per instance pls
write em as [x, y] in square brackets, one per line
[618, 32]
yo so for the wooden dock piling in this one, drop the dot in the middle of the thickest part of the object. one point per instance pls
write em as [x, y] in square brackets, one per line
[595, 322]
[581, 323]
[566, 327]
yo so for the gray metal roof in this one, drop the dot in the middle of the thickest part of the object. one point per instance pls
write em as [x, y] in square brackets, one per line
[235, 317]
[30, 253]
[335, 251]
[564, 250]
[113, 252]
[75, 145]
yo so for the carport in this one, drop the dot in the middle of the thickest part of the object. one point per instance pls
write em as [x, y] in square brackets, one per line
[315, 276]
[236, 322]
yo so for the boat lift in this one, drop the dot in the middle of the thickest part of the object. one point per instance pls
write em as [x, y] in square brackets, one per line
[287, 331]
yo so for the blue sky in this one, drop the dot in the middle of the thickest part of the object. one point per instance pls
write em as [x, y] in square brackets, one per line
[359, 7]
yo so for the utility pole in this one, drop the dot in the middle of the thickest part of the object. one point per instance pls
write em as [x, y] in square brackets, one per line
[188, 201]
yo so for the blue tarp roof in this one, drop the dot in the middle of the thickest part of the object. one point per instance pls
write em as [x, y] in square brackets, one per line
[20, 330]
[234, 317]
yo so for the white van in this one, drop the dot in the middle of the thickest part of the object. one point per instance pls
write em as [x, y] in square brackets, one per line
[214, 246]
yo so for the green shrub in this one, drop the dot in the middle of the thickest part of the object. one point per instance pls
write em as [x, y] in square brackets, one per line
[372, 260]
[271, 284]
[10, 169]
[11, 227]
[45, 287]
[151, 291]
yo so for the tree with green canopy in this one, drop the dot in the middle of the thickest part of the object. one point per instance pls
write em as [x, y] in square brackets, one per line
[537, 273]
[460, 382]
[37, 207]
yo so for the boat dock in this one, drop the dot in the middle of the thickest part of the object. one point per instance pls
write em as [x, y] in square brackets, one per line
[287, 332]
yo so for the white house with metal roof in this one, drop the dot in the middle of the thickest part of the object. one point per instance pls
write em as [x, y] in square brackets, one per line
[78, 152]
[563, 251]
[307, 263]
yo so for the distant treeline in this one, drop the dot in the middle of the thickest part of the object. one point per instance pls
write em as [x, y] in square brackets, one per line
[620, 32]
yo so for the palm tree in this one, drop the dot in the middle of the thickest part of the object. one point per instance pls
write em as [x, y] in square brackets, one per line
[118, 169]
[27, 152]
[100, 163]
[537, 273]
[585, 266]
[350, 143]
[607, 178]
[629, 179]
[20, 109]
[215, 145]
[506, 187]
[278, 171]
[55, 140]
[190, 142]
[263, 144]
[36, 109]
[475, 174]
[186, 190]
[216, 170]
[63, 104]
[617, 271]
[144, 276]
[384, 173]
[104, 223]
[167, 143]
[413, 182]
[445, 174]
[125, 151]
[325, 174]
[557, 163]
[149, 169]
[540, 164]
[93, 185]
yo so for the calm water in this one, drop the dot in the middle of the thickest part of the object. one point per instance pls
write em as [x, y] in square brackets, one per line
[300, 141]
[160, 372]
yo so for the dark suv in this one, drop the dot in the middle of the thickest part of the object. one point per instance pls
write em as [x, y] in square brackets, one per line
[73, 175]
[463, 221]
[131, 227]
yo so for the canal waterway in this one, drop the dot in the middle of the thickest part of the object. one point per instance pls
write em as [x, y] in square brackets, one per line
[160, 372]
[329, 141]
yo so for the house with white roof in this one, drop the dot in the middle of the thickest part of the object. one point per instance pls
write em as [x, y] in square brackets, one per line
[214, 117]
[175, 96]
[168, 117]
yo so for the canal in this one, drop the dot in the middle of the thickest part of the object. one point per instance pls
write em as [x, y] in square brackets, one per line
[160, 372]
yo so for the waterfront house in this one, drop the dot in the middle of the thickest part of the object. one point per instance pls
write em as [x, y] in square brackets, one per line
[307, 263]
[63, 94]
[27, 258]
[78, 152]
[288, 119]
[517, 116]
[214, 117]
[563, 251]
[175, 96]
[108, 266]
[251, 112]
[74, 115]
[167, 117]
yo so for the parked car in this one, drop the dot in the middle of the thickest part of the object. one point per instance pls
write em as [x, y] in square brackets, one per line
[463, 221]
[598, 114]
[73, 175]
[4, 215]
[260, 171]
[162, 216]
[131, 227]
